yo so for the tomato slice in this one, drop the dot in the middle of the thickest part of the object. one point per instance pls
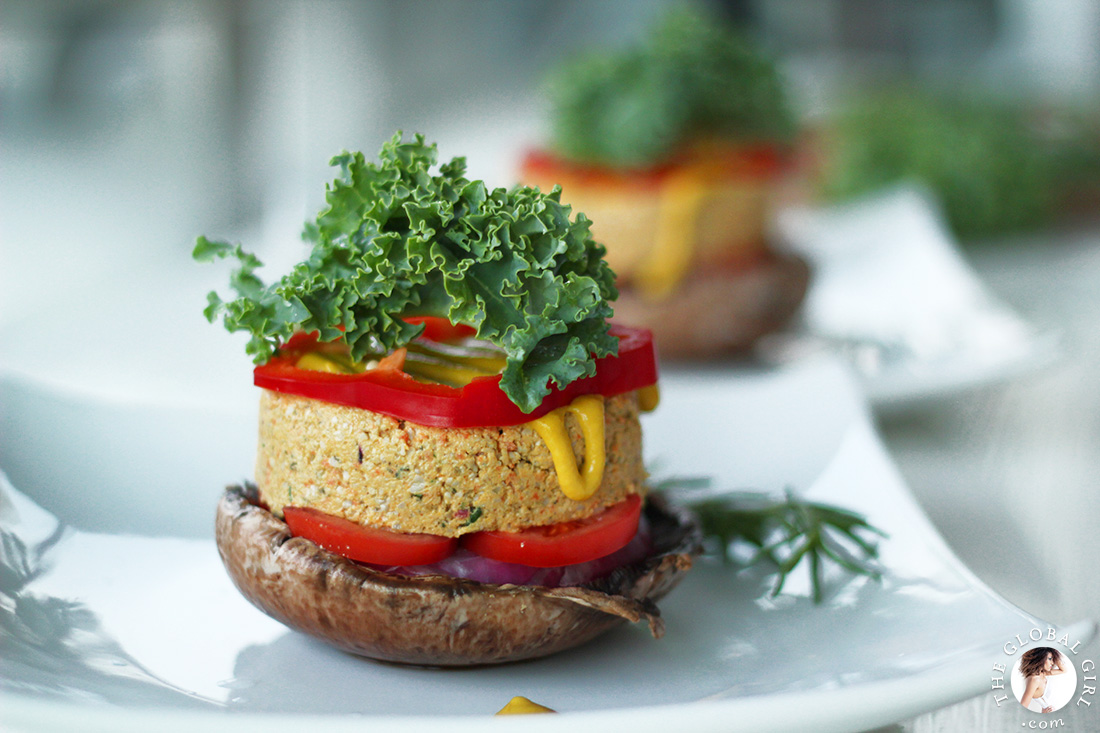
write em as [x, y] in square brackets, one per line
[367, 544]
[481, 403]
[565, 543]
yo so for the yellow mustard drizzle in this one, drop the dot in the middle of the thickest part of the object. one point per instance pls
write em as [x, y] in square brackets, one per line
[577, 484]
[648, 398]
[520, 705]
[669, 260]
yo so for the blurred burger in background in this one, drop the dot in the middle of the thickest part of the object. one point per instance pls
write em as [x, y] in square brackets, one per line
[675, 147]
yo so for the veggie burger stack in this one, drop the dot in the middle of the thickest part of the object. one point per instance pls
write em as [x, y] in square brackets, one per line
[449, 468]
[675, 147]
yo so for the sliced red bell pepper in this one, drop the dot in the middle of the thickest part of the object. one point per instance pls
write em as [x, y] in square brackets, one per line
[753, 161]
[481, 403]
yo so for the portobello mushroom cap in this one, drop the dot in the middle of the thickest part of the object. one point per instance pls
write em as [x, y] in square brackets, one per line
[721, 311]
[438, 620]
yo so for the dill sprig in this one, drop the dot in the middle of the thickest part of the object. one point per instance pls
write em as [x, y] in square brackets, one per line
[784, 530]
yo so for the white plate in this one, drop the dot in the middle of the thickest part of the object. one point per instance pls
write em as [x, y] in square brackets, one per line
[893, 295]
[128, 622]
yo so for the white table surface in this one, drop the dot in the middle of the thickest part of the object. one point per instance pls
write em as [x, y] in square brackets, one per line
[1011, 474]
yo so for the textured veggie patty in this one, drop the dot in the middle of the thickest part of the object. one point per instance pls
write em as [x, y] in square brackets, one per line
[377, 470]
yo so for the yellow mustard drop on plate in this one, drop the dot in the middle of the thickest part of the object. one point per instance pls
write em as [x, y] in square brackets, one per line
[520, 705]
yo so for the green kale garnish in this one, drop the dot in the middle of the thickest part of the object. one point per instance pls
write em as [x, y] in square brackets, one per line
[689, 77]
[397, 240]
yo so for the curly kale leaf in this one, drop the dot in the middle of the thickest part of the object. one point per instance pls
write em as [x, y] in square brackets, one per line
[398, 239]
[688, 77]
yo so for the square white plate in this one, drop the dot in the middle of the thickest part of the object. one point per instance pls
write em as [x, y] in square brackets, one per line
[123, 620]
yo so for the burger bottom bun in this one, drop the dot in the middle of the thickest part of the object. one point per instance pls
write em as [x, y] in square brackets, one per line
[720, 312]
[438, 620]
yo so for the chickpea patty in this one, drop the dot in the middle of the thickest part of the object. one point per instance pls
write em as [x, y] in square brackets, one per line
[380, 471]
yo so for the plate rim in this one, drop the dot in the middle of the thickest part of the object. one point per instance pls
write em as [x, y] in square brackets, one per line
[880, 706]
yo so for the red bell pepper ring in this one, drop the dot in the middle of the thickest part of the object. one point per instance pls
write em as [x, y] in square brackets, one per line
[481, 403]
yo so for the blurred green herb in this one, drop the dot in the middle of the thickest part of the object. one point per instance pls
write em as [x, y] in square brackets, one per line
[784, 531]
[397, 239]
[473, 516]
[996, 167]
[689, 76]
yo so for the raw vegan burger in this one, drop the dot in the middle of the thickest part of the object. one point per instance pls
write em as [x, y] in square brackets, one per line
[676, 147]
[450, 456]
